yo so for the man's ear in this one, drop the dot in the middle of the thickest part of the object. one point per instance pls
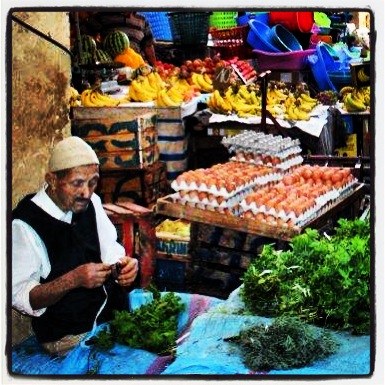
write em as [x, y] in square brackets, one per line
[51, 178]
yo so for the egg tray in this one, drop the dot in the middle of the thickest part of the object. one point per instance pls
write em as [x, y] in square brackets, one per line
[285, 165]
[322, 204]
[223, 192]
[222, 208]
[261, 143]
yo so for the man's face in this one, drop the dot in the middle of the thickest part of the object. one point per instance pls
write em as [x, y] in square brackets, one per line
[73, 191]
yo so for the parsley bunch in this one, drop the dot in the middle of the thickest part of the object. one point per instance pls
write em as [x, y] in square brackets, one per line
[152, 327]
[323, 280]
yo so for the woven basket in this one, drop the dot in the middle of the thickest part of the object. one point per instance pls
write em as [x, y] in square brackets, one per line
[189, 28]
[231, 42]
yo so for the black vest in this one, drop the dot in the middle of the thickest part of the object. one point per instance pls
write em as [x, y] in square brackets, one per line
[68, 246]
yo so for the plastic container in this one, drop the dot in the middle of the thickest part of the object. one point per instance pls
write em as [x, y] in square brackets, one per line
[315, 39]
[340, 79]
[321, 63]
[223, 20]
[160, 25]
[259, 37]
[285, 61]
[293, 21]
[189, 28]
[284, 39]
[231, 42]
[260, 16]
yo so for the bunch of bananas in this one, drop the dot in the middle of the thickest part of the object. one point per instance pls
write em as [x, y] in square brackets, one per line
[151, 87]
[299, 108]
[202, 81]
[74, 97]
[219, 104]
[244, 100]
[93, 97]
[145, 88]
[355, 99]
[169, 98]
[362, 76]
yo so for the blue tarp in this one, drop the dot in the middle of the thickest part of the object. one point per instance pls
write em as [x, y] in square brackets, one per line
[202, 350]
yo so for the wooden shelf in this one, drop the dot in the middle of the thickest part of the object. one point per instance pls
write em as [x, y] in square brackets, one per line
[166, 206]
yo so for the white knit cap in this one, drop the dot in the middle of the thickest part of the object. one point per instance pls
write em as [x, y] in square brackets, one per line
[71, 152]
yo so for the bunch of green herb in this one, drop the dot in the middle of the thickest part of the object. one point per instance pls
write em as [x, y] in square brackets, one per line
[325, 280]
[152, 327]
[286, 343]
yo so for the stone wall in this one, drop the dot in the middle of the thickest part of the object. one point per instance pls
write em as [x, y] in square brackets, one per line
[41, 74]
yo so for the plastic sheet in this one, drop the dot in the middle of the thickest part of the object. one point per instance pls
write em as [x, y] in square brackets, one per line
[201, 349]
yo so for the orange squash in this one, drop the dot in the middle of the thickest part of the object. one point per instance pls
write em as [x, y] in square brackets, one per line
[130, 58]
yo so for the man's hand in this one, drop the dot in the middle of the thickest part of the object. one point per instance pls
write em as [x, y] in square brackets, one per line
[128, 271]
[91, 275]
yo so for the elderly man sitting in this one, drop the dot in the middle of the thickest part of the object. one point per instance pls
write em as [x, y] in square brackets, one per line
[63, 249]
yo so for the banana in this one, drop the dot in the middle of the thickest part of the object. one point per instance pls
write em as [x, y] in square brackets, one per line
[244, 94]
[140, 93]
[301, 115]
[308, 98]
[271, 98]
[345, 90]
[305, 106]
[362, 77]
[207, 78]
[86, 98]
[106, 100]
[165, 100]
[289, 101]
[254, 99]
[203, 84]
[291, 112]
[155, 81]
[175, 95]
[223, 104]
[354, 105]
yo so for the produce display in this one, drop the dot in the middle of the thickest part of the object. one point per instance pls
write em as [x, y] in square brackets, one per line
[152, 326]
[246, 100]
[221, 187]
[265, 181]
[259, 148]
[299, 196]
[325, 280]
[355, 99]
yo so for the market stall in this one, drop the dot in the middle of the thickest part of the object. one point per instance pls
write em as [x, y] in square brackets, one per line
[277, 188]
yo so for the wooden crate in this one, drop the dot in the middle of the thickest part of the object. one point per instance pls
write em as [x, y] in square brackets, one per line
[122, 138]
[127, 217]
[142, 186]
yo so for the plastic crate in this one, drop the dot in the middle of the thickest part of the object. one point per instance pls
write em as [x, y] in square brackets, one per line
[223, 19]
[288, 61]
[189, 28]
[160, 25]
